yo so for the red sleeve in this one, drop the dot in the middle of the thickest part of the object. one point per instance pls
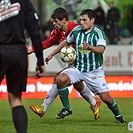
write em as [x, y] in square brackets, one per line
[52, 39]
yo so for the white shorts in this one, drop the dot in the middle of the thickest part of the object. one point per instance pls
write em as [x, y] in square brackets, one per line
[95, 80]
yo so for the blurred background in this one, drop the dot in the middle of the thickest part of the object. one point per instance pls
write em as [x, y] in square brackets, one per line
[45, 8]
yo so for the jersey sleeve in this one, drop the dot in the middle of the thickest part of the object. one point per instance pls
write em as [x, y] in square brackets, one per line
[101, 41]
[53, 39]
[70, 37]
[33, 28]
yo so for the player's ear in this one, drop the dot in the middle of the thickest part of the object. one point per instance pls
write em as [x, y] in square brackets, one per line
[93, 20]
[64, 19]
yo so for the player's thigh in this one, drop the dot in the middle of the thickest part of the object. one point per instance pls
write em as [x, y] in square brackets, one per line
[74, 75]
[96, 81]
[97, 85]
[17, 73]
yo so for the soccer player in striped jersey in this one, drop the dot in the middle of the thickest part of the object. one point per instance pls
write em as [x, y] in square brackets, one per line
[90, 43]
[62, 28]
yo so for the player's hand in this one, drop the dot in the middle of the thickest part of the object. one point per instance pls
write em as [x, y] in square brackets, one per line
[86, 45]
[47, 59]
[40, 71]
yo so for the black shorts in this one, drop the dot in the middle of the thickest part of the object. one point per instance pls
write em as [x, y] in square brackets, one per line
[14, 65]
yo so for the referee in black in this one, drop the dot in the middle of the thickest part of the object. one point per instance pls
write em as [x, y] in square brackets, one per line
[15, 17]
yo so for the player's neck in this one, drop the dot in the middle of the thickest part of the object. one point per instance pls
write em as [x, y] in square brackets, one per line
[89, 29]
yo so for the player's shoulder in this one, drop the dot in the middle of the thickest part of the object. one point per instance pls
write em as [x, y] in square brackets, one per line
[98, 30]
[77, 28]
[99, 33]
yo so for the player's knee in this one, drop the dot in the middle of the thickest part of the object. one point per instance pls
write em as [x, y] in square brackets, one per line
[62, 80]
[79, 86]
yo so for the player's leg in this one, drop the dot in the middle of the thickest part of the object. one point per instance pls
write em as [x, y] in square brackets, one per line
[50, 97]
[63, 80]
[40, 110]
[99, 86]
[52, 94]
[68, 76]
[19, 115]
[16, 78]
[86, 94]
[112, 105]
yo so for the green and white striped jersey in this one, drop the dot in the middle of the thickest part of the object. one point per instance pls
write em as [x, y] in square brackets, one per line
[86, 60]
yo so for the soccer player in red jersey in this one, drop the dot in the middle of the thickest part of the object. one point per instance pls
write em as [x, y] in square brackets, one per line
[62, 28]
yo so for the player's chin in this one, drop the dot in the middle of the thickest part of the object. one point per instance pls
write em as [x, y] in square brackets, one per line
[57, 27]
[84, 29]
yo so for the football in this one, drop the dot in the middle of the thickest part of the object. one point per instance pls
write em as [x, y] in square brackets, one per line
[67, 54]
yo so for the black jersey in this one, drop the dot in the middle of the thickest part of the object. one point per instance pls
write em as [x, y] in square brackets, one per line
[15, 17]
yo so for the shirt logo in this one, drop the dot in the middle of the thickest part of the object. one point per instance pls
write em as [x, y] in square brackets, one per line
[8, 10]
[83, 50]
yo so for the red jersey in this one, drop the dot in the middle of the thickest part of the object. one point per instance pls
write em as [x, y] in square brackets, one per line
[58, 35]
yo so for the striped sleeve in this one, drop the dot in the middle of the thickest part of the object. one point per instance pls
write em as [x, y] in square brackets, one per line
[70, 37]
[101, 39]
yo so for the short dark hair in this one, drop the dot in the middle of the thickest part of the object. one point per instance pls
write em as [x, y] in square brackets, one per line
[59, 13]
[91, 14]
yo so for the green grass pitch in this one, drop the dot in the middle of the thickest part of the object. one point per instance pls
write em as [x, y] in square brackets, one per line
[80, 121]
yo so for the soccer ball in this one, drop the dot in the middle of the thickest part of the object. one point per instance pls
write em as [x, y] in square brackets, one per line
[67, 54]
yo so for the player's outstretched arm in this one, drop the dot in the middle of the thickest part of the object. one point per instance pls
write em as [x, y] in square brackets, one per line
[56, 51]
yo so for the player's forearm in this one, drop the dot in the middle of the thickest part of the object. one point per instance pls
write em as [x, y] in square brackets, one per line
[58, 49]
[94, 49]
[97, 50]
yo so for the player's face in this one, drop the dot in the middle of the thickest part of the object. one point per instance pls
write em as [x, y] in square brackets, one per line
[58, 24]
[86, 23]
